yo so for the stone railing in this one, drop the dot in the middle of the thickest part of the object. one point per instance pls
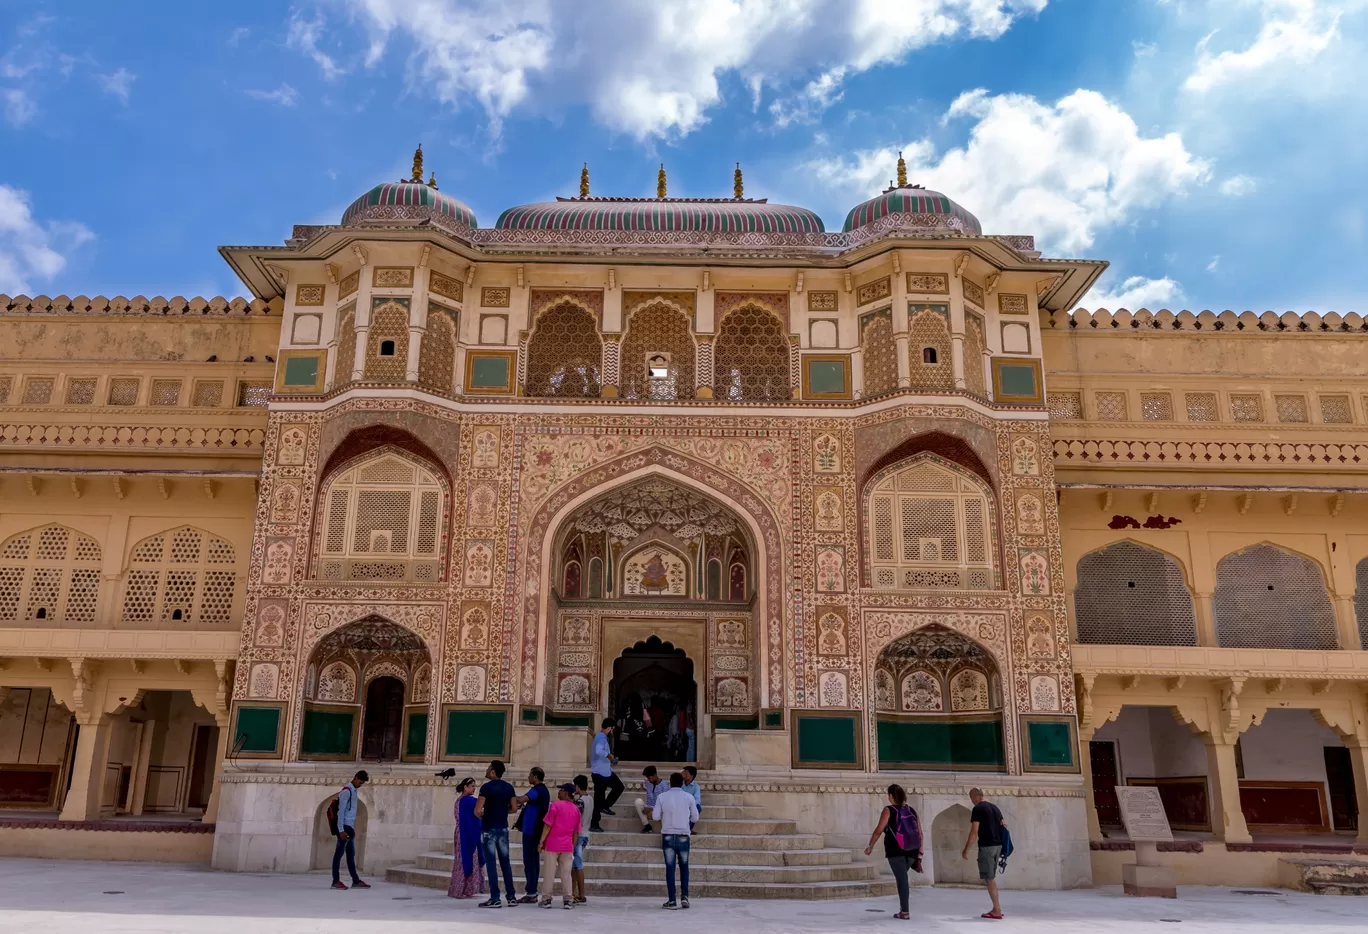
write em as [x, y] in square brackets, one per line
[137, 305]
[1225, 321]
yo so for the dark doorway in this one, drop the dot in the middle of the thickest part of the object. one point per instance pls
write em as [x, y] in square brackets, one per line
[1339, 775]
[1103, 757]
[384, 719]
[202, 765]
[654, 701]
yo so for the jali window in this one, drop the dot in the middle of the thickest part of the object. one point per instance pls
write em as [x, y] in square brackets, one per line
[930, 528]
[49, 575]
[181, 577]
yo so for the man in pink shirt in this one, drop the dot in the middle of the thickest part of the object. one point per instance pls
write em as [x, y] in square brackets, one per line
[558, 844]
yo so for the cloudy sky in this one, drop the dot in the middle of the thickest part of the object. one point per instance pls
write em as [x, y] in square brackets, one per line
[1212, 150]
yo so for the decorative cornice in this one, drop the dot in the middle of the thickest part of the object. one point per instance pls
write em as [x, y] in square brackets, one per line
[218, 306]
[1212, 454]
[1209, 322]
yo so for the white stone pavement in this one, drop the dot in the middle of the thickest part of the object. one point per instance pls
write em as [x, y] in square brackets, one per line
[42, 896]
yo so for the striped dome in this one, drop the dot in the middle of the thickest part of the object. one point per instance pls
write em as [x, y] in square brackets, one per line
[708, 215]
[407, 201]
[932, 205]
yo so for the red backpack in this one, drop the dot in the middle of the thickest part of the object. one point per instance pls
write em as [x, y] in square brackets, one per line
[332, 812]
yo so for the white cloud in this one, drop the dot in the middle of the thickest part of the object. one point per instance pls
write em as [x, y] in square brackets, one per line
[284, 95]
[32, 251]
[1293, 32]
[1215, 262]
[807, 105]
[655, 69]
[118, 84]
[1238, 186]
[236, 37]
[19, 107]
[1136, 292]
[303, 36]
[1061, 171]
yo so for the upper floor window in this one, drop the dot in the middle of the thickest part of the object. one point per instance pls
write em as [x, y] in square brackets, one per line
[1132, 595]
[382, 521]
[181, 577]
[49, 575]
[930, 527]
[1268, 598]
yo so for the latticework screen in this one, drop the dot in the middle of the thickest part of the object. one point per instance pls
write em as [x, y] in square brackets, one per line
[879, 354]
[184, 577]
[383, 522]
[49, 575]
[80, 392]
[387, 343]
[1202, 407]
[751, 362]
[1066, 405]
[564, 354]
[345, 357]
[208, 393]
[929, 530]
[437, 355]
[657, 331]
[928, 329]
[975, 346]
[1336, 410]
[1267, 598]
[1361, 602]
[1131, 595]
[1156, 406]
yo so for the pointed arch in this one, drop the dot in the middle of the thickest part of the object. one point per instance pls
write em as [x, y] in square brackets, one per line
[751, 356]
[184, 576]
[437, 351]
[49, 574]
[660, 327]
[387, 340]
[1271, 597]
[344, 359]
[564, 352]
[1131, 593]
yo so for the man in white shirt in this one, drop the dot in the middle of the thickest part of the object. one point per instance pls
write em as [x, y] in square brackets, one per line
[677, 812]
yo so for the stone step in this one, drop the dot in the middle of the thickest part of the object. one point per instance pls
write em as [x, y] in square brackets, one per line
[624, 808]
[702, 872]
[731, 826]
[714, 841]
[866, 888]
[649, 855]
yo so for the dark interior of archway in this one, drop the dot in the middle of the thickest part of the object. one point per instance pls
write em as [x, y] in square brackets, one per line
[384, 720]
[654, 700]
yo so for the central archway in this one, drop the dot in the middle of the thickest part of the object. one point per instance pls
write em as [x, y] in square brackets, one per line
[653, 696]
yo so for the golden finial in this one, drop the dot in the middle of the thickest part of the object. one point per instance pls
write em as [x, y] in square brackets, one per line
[584, 181]
[738, 187]
[432, 181]
[660, 182]
[902, 172]
[418, 164]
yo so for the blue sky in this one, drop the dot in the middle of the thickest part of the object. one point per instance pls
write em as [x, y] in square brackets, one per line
[1213, 151]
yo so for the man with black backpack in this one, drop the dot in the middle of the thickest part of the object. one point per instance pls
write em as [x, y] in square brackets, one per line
[342, 822]
[987, 827]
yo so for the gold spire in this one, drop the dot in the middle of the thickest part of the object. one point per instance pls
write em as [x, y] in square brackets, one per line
[584, 181]
[660, 182]
[738, 187]
[902, 171]
[432, 181]
[418, 164]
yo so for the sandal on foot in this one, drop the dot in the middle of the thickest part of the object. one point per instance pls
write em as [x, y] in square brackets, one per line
[994, 915]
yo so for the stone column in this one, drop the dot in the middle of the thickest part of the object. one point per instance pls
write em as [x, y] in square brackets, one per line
[957, 360]
[704, 375]
[900, 351]
[1227, 818]
[610, 374]
[211, 808]
[1085, 762]
[142, 759]
[359, 358]
[1347, 621]
[415, 347]
[899, 312]
[361, 320]
[857, 373]
[88, 767]
[1206, 620]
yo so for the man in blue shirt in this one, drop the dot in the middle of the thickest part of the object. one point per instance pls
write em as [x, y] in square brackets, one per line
[607, 786]
[534, 806]
[691, 786]
[496, 798]
[652, 787]
[346, 832]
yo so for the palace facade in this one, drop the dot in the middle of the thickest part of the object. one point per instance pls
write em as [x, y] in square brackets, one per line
[815, 510]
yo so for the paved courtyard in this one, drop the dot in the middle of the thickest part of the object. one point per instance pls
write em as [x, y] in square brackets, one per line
[41, 896]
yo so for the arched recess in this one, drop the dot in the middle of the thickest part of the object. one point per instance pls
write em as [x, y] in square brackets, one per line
[184, 577]
[928, 329]
[929, 524]
[1267, 597]
[344, 358]
[382, 516]
[1361, 602]
[564, 353]
[654, 680]
[537, 559]
[437, 352]
[49, 575]
[948, 703]
[879, 353]
[1133, 594]
[658, 351]
[751, 356]
[341, 719]
[387, 341]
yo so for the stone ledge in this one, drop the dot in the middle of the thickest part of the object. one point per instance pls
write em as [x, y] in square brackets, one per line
[1124, 846]
[1257, 847]
[119, 826]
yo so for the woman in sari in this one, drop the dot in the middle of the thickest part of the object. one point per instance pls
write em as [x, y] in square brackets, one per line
[467, 877]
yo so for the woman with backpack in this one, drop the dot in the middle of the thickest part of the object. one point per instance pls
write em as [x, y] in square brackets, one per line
[902, 838]
[467, 877]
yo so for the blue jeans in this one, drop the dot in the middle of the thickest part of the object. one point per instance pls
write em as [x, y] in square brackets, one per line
[676, 847]
[495, 843]
[580, 843]
[531, 860]
[347, 846]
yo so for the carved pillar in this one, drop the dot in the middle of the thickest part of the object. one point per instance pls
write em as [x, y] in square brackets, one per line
[415, 347]
[1206, 620]
[1347, 621]
[610, 366]
[957, 360]
[88, 767]
[1085, 761]
[857, 373]
[1227, 819]
[795, 368]
[901, 351]
[211, 808]
[704, 376]
[142, 758]
[359, 357]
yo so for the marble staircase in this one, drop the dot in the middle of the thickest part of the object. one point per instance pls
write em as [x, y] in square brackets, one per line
[737, 852]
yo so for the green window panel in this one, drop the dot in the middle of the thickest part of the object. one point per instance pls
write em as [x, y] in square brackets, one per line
[825, 741]
[940, 743]
[258, 730]
[489, 373]
[301, 371]
[476, 733]
[328, 733]
[415, 739]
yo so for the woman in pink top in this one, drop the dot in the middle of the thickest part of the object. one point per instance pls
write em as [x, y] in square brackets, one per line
[558, 844]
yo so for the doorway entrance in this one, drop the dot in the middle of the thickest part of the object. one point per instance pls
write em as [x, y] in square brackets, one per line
[384, 719]
[654, 699]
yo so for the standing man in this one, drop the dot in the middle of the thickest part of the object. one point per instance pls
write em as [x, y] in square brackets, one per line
[534, 806]
[652, 789]
[607, 786]
[346, 832]
[676, 811]
[496, 798]
[691, 786]
[577, 864]
[985, 827]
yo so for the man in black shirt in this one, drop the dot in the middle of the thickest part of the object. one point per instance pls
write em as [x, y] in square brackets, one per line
[492, 807]
[985, 829]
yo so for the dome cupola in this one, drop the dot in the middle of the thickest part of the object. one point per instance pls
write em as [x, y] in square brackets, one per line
[409, 199]
[912, 206]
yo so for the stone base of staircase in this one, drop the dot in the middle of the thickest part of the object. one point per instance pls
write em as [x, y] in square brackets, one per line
[736, 852]
[1324, 876]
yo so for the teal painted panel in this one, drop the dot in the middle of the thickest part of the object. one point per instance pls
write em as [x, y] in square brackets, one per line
[415, 740]
[489, 373]
[261, 728]
[327, 733]
[830, 741]
[475, 733]
[301, 371]
[826, 376]
[1050, 743]
[940, 743]
[1018, 379]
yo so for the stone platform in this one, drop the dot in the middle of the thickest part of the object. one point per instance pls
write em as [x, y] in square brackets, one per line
[1324, 876]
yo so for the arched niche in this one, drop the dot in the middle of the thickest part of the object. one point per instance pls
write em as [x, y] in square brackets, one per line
[1132, 594]
[1268, 597]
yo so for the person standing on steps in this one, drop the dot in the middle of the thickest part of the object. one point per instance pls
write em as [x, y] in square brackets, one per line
[492, 807]
[530, 821]
[581, 841]
[467, 866]
[607, 786]
[558, 846]
[691, 786]
[346, 832]
[676, 811]
[985, 827]
[902, 843]
[651, 787]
